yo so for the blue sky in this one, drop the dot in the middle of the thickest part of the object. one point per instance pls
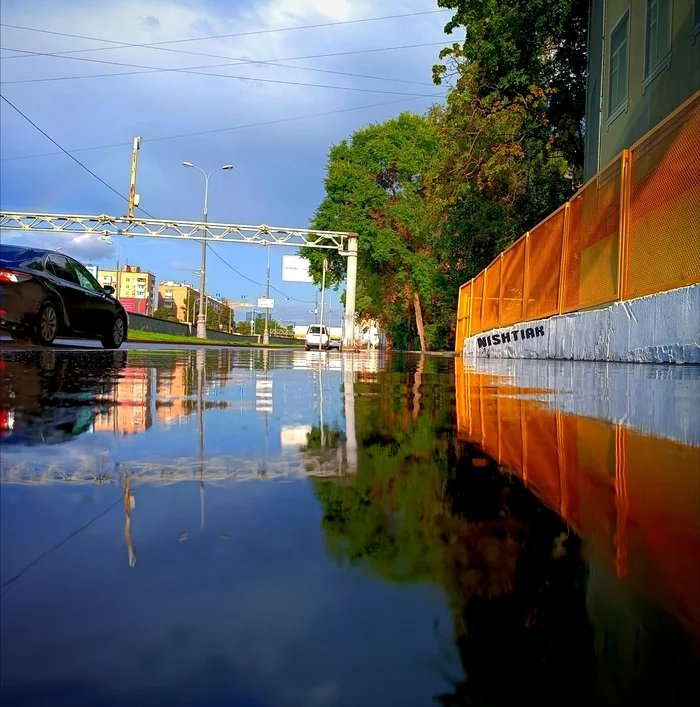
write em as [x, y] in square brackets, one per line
[279, 168]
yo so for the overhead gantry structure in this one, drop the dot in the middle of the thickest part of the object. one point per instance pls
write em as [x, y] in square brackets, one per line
[343, 242]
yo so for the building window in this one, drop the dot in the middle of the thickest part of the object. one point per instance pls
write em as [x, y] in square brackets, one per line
[658, 38]
[619, 61]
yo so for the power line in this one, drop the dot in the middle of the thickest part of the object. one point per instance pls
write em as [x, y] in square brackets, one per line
[156, 69]
[157, 45]
[276, 62]
[56, 546]
[75, 159]
[238, 60]
[245, 277]
[221, 130]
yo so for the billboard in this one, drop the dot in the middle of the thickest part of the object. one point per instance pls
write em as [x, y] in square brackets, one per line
[295, 269]
[134, 305]
[266, 303]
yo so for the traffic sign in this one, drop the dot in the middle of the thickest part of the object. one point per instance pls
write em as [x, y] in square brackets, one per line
[266, 303]
[244, 297]
[218, 295]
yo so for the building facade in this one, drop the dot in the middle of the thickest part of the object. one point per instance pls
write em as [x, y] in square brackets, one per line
[643, 63]
[136, 288]
[182, 299]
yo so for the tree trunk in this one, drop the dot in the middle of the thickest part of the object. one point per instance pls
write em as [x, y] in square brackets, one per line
[419, 321]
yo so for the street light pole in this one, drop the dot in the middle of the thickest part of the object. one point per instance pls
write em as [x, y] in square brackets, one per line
[201, 318]
[266, 334]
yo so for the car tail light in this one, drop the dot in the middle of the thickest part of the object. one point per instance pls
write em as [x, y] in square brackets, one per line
[13, 276]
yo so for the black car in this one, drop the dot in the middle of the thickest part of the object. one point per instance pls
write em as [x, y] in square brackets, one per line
[44, 294]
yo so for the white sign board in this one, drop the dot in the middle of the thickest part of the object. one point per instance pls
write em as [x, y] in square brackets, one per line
[295, 269]
[93, 270]
[266, 303]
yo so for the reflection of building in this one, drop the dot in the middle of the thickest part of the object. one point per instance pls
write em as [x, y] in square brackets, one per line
[183, 300]
[131, 409]
[633, 83]
[172, 392]
[137, 288]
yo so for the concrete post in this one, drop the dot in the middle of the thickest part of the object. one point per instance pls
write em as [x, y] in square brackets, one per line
[350, 293]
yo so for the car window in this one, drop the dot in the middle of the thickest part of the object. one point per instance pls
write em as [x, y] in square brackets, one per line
[85, 279]
[61, 268]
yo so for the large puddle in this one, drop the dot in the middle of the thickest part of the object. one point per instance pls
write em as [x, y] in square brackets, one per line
[258, 527]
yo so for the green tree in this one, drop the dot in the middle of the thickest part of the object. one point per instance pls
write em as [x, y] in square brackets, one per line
[375, 186]
[225, 317]
[513, 46]
[163, 313]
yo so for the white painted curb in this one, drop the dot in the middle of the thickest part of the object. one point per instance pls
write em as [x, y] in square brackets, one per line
[661, 328]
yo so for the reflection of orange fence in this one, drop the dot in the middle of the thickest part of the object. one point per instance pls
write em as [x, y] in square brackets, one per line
[637, 496]
[632, 230]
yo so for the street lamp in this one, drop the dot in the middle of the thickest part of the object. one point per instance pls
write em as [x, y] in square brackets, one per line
[266, 333]
[118, 246]
[201, 318]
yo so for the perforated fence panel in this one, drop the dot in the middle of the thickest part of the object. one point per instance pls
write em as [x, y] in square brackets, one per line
[592, 245]
[513, 283]
[663, 247]
[544, 264]
[492, 295]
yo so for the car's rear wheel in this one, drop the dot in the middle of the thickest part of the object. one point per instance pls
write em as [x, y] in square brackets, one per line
[47, 328]
[116, 335]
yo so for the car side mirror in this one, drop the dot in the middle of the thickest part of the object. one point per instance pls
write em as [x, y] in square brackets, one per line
[108, 290]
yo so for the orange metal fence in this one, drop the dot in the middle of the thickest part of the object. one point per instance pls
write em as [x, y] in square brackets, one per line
[632, 230]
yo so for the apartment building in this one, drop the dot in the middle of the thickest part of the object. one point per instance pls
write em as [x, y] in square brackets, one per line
[136, 288]
[183, 300]
[643, 63]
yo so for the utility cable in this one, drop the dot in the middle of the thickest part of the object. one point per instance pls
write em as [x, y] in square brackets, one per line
[5, 585]
[156, 45]
[225, 76]
[222, 130]
[237, 61]
[64, 151]
[245, 277]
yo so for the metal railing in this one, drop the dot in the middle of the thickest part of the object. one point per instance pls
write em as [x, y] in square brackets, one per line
[632, 230]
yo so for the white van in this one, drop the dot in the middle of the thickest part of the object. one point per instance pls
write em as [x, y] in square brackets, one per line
[314, 336]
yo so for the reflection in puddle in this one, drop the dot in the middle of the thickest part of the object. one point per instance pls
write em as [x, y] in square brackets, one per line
[412, 530]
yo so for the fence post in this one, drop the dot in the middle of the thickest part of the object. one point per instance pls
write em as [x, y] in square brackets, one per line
[500, 289]
[624, 222]
[562, 264]
[471, 306]
[526, 279]
[483, 298]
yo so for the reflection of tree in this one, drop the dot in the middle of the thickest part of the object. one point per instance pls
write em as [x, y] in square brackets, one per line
[326, 438]
[424, 508]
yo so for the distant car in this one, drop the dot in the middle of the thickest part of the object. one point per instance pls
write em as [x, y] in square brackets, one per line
[314, 337]
[44, 294]
[335, 344]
